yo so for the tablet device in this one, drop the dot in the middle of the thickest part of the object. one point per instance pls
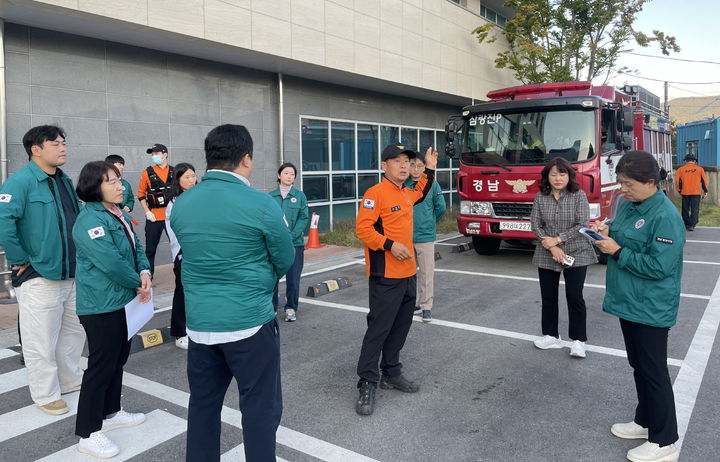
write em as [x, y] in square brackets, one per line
[592, 235]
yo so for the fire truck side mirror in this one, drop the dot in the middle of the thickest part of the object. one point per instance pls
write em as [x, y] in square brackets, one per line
[450, 149]
[625, 120]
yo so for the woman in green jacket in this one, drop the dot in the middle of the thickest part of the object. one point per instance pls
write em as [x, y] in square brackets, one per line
[294, 205]
[111, 270]
[645, 242]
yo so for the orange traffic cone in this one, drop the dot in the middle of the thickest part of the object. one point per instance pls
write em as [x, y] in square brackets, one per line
[314, 236]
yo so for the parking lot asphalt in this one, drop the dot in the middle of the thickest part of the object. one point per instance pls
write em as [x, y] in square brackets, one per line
[486, 393]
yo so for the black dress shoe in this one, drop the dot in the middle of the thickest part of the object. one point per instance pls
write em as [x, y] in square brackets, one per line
[398, 383]
[366, 401]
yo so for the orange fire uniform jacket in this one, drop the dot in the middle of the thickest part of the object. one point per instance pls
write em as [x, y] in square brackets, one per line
[691, 180]
[386, 216]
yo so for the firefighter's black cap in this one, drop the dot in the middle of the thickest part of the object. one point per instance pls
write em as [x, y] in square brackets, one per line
[157, 148]
[393, 150]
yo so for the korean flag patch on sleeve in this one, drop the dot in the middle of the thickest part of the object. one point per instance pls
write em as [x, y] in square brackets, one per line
[369, 204]
[5, 198]
[96, 232]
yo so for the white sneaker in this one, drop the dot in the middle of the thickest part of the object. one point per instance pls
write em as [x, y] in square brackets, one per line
[182, 342]
[652, 452]
[290, 315]
[577, 349]
[98, 445]
[123, 419]
[547, 342]
[629, 431]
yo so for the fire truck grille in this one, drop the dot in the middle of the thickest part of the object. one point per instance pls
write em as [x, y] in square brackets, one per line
[519, 210]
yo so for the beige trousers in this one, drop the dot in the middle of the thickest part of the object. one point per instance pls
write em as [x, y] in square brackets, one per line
[425, 257]
[52, 337]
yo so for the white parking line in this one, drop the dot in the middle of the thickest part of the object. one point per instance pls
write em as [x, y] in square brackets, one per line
[482, 330]
[695, 241]
[689, 379]
[300, 442]
[524, 278]
[237, 454]
[158, 427]
[7, 353]
[31, 418]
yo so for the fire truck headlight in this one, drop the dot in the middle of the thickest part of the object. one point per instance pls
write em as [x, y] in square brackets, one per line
[475, 208]
[594, 211]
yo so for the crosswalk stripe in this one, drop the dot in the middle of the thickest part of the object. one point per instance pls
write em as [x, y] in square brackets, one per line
[13, 380]
[299, 441]
[158, 427]
[31, 418]
[7, 353]
[237, 454]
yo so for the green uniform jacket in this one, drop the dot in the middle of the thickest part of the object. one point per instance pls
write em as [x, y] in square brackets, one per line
[643, 285]
[427, 213]
[108, 267]
[128, 197]
[236, 247]
[295, 208]
[32, 222]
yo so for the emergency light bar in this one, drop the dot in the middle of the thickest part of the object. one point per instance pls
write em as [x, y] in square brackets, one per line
[538, 88]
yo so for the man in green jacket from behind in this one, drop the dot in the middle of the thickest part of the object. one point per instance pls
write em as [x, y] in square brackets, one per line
[236, 247]
[426, 214]
[38, 208]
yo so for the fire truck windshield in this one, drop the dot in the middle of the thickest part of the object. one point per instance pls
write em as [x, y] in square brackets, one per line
[528, 138]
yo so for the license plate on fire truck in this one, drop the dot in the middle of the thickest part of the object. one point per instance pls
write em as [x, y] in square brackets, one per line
[515, 225]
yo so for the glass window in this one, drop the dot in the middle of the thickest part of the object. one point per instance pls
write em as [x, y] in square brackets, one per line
[365, 181]
[367, 147]
[343, 187]
[315, 154]
[344, 212]
[427, 139]
[408, 138]
[447, 197]
[443, 159]
[388, 135]
[324, 221]
[343, 146]
[443, 178]
[315, 188]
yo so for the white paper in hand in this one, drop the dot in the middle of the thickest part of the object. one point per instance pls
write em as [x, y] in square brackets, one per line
[137, 314]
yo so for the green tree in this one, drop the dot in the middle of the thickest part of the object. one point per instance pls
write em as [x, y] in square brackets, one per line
[561, 40]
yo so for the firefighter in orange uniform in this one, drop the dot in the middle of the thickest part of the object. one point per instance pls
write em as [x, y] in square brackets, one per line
[385, 226]
[691, 183]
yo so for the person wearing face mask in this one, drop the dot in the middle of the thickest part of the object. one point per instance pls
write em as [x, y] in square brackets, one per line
[294, 205]
[154, 194]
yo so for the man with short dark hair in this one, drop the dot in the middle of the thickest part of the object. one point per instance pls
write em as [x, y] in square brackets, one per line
[128, 199]
[385, 227]
[236, 247]
[691, 183]
[154, 194]
[38, 207]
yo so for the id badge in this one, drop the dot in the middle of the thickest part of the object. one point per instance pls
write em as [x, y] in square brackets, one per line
[568, 260]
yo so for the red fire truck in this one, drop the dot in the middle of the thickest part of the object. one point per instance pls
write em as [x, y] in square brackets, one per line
[504, 143]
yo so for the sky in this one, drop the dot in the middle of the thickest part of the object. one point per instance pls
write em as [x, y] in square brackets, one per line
[696, 26]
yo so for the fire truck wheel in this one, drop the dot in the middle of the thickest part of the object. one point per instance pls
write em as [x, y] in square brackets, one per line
[486, 245]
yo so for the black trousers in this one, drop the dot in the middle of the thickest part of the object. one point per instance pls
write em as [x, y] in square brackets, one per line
[691, 210]
[549, 284]
[255, 364]
[177, 316]
[292, 281]
[108, 349]
[153, 232]
[647, 354]
[392, 303]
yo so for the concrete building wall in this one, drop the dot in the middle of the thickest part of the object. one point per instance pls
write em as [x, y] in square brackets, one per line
[422, 43]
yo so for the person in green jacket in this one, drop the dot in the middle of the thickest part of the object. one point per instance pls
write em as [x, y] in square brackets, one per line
[294, 205]
[128, 199]
[111, 270]
[236, 247]
[645, 241]
[38, 207]
[425, 216]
